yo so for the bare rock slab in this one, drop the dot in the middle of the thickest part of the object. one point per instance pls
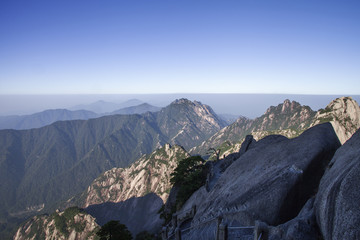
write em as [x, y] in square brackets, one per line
[337, 203]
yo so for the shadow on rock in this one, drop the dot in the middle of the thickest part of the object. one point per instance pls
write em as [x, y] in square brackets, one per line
[137, 213]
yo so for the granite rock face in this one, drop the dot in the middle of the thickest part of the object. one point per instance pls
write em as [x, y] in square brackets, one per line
[288, 115]
[270, 182]
[72, 224]
[302, 227]
[151, 173]
[337, 202]
[343, 114]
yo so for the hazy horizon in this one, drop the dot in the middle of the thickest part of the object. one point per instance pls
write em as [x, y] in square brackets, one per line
[248, 105]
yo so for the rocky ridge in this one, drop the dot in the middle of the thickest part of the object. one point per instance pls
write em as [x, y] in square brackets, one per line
[343, 114]
[288, 115]
[72, 224]
[289, 119]
[151, 173]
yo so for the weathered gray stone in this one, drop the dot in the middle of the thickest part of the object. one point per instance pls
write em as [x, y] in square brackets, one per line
[270, 182]
[246, 144]
[337, 204]
[302, 227]
[271, 139]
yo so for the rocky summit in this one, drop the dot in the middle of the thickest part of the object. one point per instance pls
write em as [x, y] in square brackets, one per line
[71, 224]
[343, 114]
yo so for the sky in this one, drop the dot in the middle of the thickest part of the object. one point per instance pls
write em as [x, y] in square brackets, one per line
[173, 46]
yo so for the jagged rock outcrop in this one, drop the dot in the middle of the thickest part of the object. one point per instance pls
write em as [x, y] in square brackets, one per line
[288, 115]
[270, 182]
[151, 173]
[343, 114]
[289, 119]
[72, 224]
[187, 122]
[337, 201]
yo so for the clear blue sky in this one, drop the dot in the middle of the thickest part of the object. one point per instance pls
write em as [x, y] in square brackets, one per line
[179, 46]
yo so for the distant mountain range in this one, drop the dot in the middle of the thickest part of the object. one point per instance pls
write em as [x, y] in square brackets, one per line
[48, 117]
[101, 107]
[139, 109]
[41, 167]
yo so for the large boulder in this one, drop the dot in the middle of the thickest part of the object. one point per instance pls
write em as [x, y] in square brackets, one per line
[270, 182]
[337, 203]
[302, 227]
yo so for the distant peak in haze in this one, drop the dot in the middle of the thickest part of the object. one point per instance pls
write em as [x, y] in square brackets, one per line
[182, 101]
[102, 106]
[138, 109]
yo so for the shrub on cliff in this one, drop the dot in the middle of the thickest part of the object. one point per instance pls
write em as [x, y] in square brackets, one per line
[189, 176]
[114, 230]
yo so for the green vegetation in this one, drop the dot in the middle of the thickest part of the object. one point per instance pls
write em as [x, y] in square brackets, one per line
[60, 224]
[36, 229]
[225, 146]
[114, 230]
[325, 119]
[66, 221]
[189, 176]
[326, 110]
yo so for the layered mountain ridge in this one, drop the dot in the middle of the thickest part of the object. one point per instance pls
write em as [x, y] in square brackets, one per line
[48, 117]
[41, 167]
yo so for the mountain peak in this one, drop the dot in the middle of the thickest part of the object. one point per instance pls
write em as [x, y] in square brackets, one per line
[284, 108]
[194, 116]
[344, 114]
[182, 101]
